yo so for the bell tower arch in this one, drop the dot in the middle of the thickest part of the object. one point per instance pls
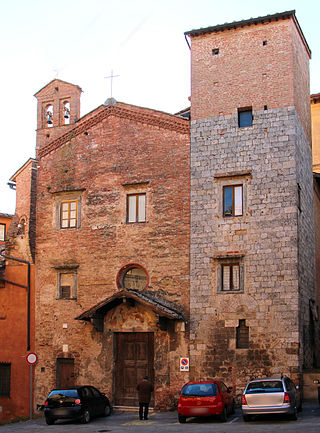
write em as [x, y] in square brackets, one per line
[58, 109]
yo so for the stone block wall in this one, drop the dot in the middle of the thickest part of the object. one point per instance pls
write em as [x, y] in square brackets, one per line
[269, 159]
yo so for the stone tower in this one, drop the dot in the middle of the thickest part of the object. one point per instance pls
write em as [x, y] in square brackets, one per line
[252, 244]
[58, 109]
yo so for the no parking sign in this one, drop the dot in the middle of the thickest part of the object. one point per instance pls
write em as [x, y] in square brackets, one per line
[184, 364]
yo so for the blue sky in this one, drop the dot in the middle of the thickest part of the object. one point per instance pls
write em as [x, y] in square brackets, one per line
[81, 41]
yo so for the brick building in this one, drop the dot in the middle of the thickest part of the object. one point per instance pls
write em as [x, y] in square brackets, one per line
[113, 248]
[252, 237]
[142, 257]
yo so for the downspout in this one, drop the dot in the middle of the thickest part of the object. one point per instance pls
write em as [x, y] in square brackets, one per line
[27, 287]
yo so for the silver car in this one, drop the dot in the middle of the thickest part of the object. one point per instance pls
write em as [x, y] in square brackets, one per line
[271, 396]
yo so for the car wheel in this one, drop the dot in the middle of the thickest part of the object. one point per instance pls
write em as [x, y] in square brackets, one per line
[182, 419]
[246, 418]
[233, 407]
[49, 420]
[107, 410]
[85, 417]
[294, 415]
[223, 415]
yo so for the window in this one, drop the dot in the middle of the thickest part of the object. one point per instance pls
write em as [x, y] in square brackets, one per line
[2, 232]
[245, 117]
[242, 337]
[230, 277]
[69, 214]
[5, 377]
[232, 200]
[67, 285]
[136, 208]
[215, 51]
[134, 278]
[230, 273]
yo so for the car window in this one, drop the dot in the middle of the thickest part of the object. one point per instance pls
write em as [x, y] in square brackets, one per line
[64, 392]
[200, 390]
[289, 384]
[264, 386]
[86, 392]
[95, 392]
[223, 387]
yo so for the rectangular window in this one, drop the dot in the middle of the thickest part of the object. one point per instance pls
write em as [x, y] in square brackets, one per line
[232, 200]
[230, 277]
[2, 232]
[69, 214]
[245, 117]
[136, 208]
[5, 377]
[67, 282]
[242, 335]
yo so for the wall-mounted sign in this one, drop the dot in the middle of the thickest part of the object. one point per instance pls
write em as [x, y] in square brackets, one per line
[184, 364]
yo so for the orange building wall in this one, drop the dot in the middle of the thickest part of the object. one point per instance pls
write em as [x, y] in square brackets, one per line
[5, 219]
[13, 337]
[315, 120]
[14, 298]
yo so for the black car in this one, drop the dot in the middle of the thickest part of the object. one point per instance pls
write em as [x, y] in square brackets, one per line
[79, 402]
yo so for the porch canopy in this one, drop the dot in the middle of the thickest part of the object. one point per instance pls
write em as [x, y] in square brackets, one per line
[163, 308]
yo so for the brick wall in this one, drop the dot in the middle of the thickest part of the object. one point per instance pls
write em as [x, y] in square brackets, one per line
[127, 150]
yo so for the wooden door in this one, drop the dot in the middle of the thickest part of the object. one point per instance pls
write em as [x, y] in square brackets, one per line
[134, 351]
[65, 372]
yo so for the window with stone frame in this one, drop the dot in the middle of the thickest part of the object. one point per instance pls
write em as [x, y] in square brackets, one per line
[69, 214]
[5, 379]
[232, 200]
[2, 232]
[242, 335]
[136, 208]
[67, 284]
[230, 275]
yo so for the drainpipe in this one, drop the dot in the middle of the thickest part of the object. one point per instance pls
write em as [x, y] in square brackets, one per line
[27, 287]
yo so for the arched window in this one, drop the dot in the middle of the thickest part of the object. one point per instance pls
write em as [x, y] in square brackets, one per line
[22, 226]
[49, 116]
[132, 277]
[66, 112]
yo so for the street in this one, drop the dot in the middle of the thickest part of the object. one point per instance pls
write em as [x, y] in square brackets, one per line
[166, 422]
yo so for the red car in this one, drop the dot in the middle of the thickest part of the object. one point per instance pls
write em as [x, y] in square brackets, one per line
[205, 398]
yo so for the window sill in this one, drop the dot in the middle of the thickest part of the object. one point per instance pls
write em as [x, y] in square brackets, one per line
[231, 292]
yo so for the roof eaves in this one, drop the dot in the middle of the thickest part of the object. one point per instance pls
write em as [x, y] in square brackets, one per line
[242, 23]
[122, 111]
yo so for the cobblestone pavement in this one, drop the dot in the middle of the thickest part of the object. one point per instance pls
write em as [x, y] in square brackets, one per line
[166, 422]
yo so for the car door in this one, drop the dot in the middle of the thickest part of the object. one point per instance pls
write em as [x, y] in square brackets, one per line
[99, 401]
[88, 400]
[227, 397]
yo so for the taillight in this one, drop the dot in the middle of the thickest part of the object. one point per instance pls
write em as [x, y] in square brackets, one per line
[243, 400]
[46, 403]
[286, 398]
[77, 401]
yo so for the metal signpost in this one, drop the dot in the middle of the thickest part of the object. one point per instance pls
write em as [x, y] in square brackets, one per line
[32, 359]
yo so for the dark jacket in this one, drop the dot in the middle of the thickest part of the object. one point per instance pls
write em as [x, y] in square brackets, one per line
[145, 389]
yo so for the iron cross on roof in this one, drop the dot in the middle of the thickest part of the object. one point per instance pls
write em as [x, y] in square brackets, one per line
[111, 80]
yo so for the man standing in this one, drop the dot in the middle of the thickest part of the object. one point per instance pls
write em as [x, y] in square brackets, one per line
[145, 389]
